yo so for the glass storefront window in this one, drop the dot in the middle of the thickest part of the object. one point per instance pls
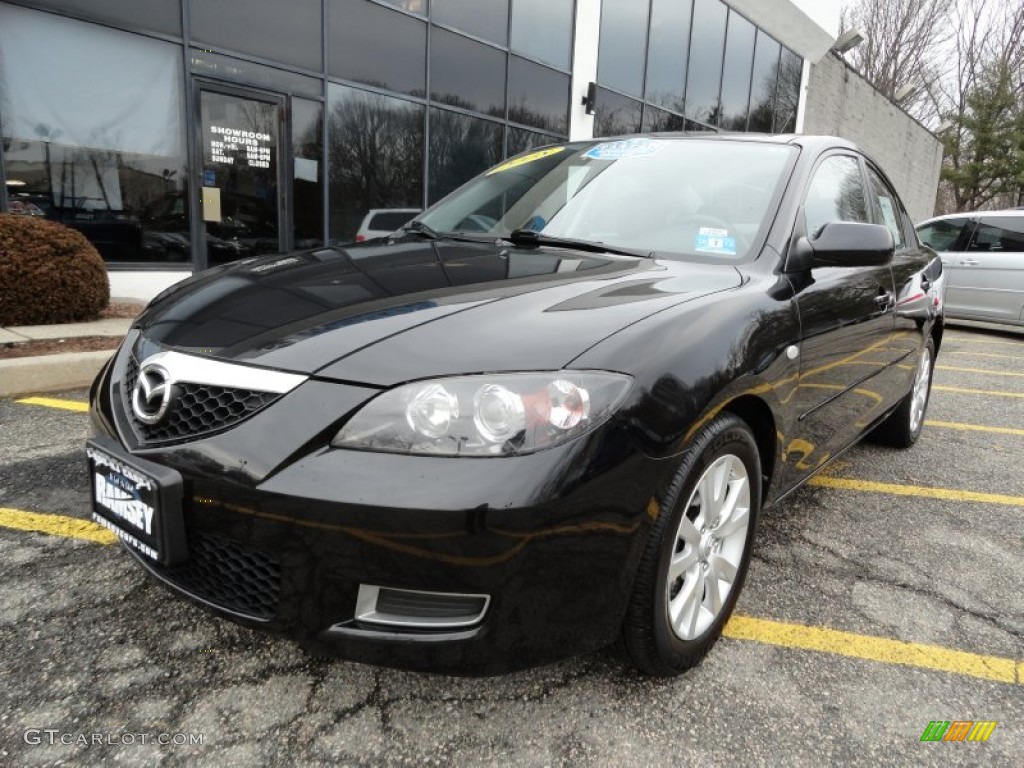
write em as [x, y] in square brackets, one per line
[287, 32]
[249, 73]
[763, 82]
[412, 6]
[659, 120]
[615, 115]
[537, 96]
[787, 96]
[667, 53]
[704, 74]
[460, 147]
[739, 60]
[375, 156]
[377, 46]
[467, 74]
[241, 154]
[308, 172]
[484, 18]
[520, 140]
[155, 15]
[623, 35]
[542, 29]
[93, 133]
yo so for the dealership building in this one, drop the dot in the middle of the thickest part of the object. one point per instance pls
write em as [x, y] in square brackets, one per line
[182, 134]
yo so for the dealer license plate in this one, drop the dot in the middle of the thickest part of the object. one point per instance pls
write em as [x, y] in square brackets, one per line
[138, 500]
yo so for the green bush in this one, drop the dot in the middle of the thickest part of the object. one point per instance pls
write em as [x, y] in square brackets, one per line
[48, 273]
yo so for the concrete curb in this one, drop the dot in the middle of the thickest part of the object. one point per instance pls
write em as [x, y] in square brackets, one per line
[50, 373]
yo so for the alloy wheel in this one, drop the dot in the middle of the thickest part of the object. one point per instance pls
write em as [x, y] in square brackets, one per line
[919, 394]
[709, 547]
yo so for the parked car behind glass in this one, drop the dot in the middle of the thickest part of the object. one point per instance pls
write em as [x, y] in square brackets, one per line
[381, 222]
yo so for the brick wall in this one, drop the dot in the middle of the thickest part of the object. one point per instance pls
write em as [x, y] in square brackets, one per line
[842, 103]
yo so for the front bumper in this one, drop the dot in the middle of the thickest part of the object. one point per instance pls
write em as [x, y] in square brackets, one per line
[282, 530]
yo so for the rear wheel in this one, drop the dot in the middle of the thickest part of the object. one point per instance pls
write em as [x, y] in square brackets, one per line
[697, 553]
[903, 426]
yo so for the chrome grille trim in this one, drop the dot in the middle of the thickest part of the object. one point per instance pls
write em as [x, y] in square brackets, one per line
[190, 369]
[210, 396]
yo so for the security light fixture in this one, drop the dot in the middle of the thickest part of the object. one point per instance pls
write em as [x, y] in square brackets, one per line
[904, 92]
[849, 40]
[590, 99]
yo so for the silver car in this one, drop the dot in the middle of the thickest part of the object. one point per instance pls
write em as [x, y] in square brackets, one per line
[983, 257]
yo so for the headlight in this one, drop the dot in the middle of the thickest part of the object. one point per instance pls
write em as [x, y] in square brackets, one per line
[487, 415]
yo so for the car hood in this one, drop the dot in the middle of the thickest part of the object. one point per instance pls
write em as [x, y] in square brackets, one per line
[382, 313]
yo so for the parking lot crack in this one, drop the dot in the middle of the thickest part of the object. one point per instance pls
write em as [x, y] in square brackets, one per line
[869, 573]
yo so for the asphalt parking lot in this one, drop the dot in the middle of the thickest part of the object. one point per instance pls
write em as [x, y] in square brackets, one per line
[883, 596]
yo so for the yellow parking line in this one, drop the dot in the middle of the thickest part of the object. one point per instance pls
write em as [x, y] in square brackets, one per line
[973, 427]
[924, 492]
[50, 402]
[55, 525]
[880, 649]
[779, 633]
[987, 354]
[986, 371]
[966, 391]
[979, 340]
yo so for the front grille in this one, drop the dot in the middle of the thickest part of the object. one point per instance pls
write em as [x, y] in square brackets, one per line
[196, 410]
[228, 575]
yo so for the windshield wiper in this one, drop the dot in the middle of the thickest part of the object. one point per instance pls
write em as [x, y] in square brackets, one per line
[531, 238]
[421, 228]
[427, 232]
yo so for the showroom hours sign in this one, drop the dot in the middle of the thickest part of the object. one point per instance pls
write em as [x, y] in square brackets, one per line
[231, 146]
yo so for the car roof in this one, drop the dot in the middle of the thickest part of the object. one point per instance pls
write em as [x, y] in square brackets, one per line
[970, 214]
[804, 140]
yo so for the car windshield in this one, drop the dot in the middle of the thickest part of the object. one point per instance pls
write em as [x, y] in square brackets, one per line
[701, 199]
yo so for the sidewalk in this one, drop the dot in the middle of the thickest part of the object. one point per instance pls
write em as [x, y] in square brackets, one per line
[64, 370]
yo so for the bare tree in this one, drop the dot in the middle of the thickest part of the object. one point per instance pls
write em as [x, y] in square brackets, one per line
[981, 105]
[900, 53]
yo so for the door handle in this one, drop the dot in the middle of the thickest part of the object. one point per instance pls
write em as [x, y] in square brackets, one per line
[969, 262]
[884, 299]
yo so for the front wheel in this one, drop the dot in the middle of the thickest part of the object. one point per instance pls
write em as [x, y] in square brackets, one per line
[903, 426]
[697, 553]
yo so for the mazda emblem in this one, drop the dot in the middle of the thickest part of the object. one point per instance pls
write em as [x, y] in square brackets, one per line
[151, 397]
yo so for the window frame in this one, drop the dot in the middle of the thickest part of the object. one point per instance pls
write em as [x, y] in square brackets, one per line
[962, 239]
[801, 219]
[981, 220]
[901, 211]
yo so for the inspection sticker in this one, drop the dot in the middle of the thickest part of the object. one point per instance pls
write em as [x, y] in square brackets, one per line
[711, 240]
[619, 150]
[517, 161]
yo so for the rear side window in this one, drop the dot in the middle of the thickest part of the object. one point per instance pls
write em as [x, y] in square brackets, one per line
[391, 221]
[836, 193]
[1003, 233]
[888, 209]
[946, 234]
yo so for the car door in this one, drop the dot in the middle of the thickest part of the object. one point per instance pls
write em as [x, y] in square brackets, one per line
[846, 320]
[987, 281]
[913, 294]
[948, 237]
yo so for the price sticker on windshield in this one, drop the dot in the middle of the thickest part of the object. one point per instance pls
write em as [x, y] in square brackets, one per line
[518, 161]
[621, 150]
[712, 240]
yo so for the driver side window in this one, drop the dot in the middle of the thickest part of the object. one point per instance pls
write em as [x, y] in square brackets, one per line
[836, 193]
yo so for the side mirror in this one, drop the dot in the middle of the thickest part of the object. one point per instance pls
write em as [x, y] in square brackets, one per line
[843, 244]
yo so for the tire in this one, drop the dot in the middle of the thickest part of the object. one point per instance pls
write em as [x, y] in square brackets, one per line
[668, 628]
[903, 426]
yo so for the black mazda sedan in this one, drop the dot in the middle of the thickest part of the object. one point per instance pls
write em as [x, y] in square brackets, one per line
[542, 417]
